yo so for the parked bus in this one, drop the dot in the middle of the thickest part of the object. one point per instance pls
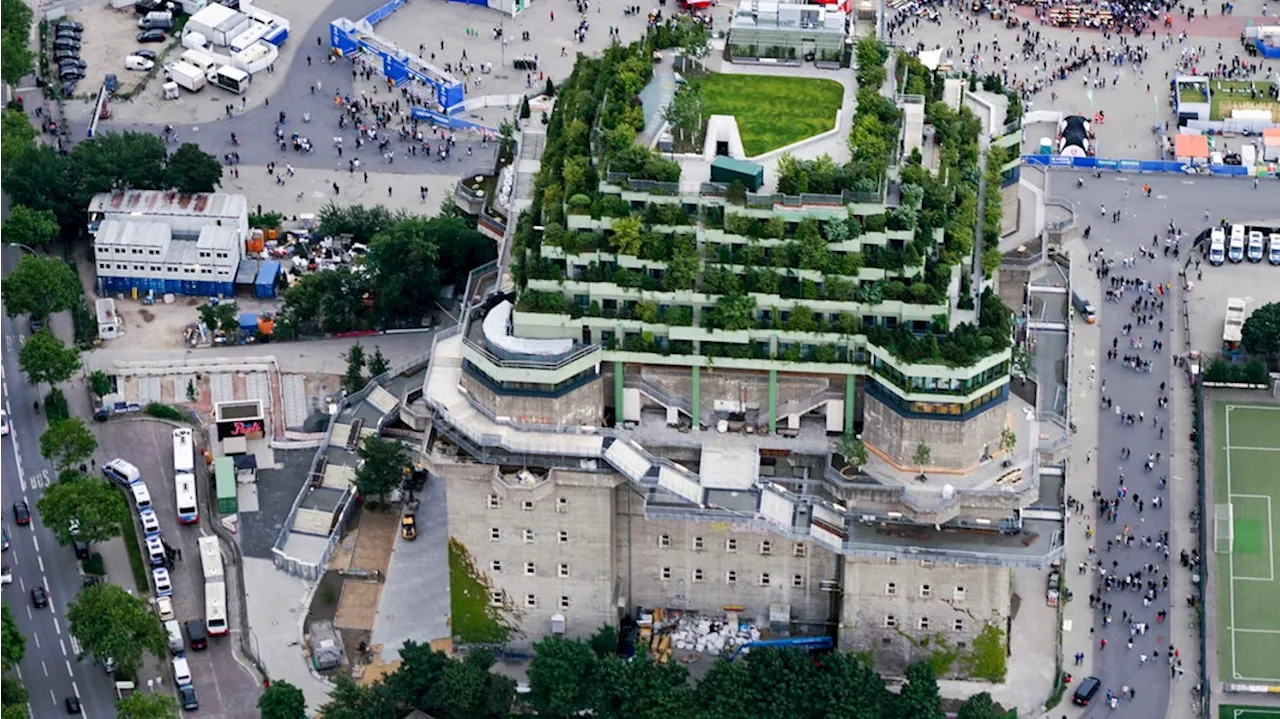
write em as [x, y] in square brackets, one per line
[183, 451]
[185, 488]
[215, 588]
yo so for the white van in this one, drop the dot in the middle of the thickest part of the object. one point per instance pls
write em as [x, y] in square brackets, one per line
[181, 671]
[156, 20]
[141, 497]
[1255, 246]
[1273, 248]
[177, 644]
[1217, 246]
[137, 62]
[155, 550]
[1235, 250]
[121, 472]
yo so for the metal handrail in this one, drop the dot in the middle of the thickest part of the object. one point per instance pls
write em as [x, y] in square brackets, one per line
[549, 364]
[1060, 225]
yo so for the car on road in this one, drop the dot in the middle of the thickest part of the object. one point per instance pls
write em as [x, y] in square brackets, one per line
[152, 36]
[6, 575]
[197, 635]
[409, 527]
[187, 696]
[150, 522]
[21, 513]
[4, 423]
[164, 586]
[4, 543]
[1086, 691]
[164, 608]
[39, 597]
[73, 705]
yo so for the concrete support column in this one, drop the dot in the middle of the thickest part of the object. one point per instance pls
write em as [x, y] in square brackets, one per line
[618, 399]
[773, 401]
[696, 405]
[849, 383]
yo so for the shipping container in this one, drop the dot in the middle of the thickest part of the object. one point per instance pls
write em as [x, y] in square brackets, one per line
[264, 287]
[725, 169]
[225, 475]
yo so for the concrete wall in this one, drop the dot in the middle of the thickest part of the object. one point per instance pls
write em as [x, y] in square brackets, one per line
[645, 549]
[720, 384]
[867, 602]
[582, 406]
[578, 503]
[955, 445]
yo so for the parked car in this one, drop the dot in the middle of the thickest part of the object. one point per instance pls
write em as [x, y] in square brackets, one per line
[187, 695]
[164, 587]
[4, 541]
[1085, 692]
[408, 527]
[164, 608]
[6, 575]
[66, 43]
[152, 36]
[136, 62]
[4, 423]
[72, 62]
[65, 23]
[150, 522]
[21, 513]
[60, 55]
[147, 54]
[39, 597]
[70, 74]
[111, 82]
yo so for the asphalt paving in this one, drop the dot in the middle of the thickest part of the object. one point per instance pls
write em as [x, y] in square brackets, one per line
[1124, 480]
[298, 96]
[49, 668]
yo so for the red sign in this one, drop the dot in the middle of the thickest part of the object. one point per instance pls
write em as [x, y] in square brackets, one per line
[243, 429]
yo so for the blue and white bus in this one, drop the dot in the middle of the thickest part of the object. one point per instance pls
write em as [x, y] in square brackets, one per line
[184, 459]
[184, 484]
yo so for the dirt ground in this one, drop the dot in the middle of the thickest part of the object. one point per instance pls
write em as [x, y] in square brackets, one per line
[359, 604]
[109, 36]
[377, 538]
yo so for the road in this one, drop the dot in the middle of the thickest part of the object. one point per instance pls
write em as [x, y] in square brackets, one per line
[1132, 391]
[49, 670]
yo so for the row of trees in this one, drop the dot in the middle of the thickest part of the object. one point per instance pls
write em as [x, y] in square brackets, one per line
[409, 259]
[51, 191]
[587, 678]
[16, 59]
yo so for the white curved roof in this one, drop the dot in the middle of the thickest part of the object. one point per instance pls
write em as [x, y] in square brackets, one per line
[497, 331]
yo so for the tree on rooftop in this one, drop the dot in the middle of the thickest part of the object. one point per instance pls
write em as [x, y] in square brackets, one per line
[191, 169]
[626, 236]
[922, 455]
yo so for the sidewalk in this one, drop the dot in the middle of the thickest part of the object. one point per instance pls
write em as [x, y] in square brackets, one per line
[277, 605]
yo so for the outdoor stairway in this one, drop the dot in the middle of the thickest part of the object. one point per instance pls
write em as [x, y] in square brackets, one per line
[383, 400]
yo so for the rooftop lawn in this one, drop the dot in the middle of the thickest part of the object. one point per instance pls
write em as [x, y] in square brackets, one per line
[772, 111]
[1226, 95]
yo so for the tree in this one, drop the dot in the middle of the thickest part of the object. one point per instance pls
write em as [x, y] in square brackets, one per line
[13, 644]
[354, 380]
[562, 676]
[16, 59]
[382, 463]
[17, 135]
[34, 228]
[1008, 440]
[642, 689]
[118, 160]
[348, 700]
[13, 693]
[605, 641]
[147, 706]
[919, 697]
[378, 364]
[46, 360]
[98, 509]
[1261, 332]
[626, 236]
[67, 443]
[282, 700]
[358, 221]
[403, 266]
[982, 706]
[191, 169]
[852, 449]
[42, 179]
[685, 114]
[460, 248]
[101, 384]
[922, 455]
[40, 286]
[110, 622]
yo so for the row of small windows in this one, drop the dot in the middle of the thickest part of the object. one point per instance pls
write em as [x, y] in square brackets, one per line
[731, 577]
[925, 591]
[155, 253]
[495, 535]
[495, 502]
[186, 270]
[530, 569]
[922, 623]
[496, 599]
[765, 547]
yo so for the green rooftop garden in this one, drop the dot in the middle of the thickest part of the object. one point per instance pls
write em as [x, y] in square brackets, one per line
[771, 111]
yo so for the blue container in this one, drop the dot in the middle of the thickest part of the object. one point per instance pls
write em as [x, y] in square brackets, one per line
[264, 287]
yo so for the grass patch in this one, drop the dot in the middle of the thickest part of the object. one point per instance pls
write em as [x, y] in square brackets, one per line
[1228, 95]
[474, 619]
[164, 411]
[141, 577]
[772, 112]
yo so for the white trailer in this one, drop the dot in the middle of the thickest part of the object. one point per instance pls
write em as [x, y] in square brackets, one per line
[230, 78]
[186, 75]
[218, 24]
[200, 59]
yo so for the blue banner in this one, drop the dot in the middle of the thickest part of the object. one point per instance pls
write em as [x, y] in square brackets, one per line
[383, 12]
[1101, 163]
[453, 123]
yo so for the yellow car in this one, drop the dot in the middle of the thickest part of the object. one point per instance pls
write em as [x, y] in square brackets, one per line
[408, 527]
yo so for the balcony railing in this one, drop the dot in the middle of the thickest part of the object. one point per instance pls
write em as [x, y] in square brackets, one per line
[548, 364]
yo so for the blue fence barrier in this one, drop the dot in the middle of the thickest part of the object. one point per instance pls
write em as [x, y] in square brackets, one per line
[1099, 163]
[381, 13]
[453, 123]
